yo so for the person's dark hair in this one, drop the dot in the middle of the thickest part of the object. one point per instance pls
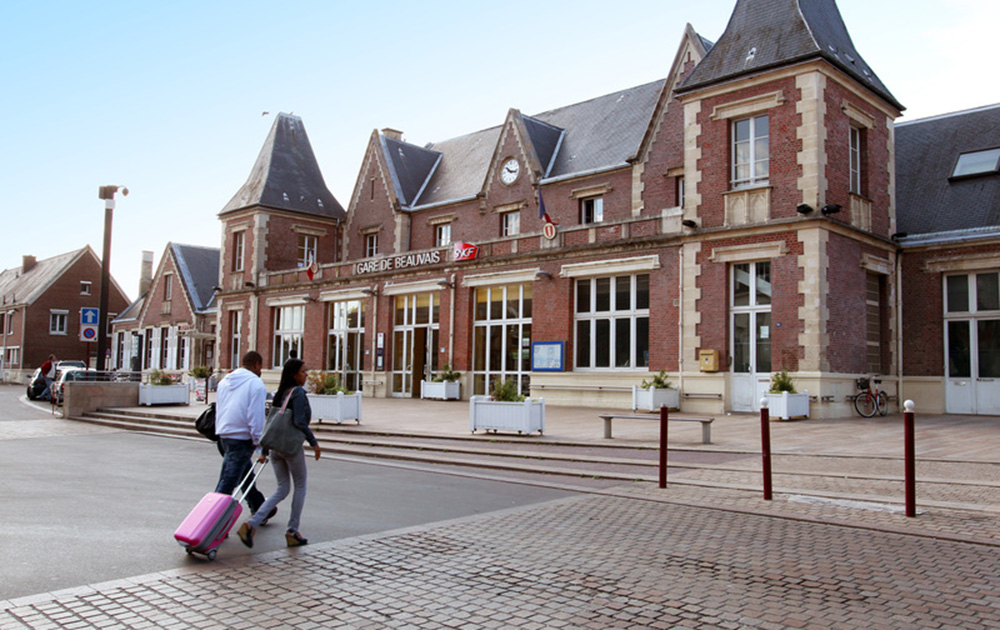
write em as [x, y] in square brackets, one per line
[252, 359]
[287, 383]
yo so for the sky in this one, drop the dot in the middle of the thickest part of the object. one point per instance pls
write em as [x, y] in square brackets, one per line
[169, 98]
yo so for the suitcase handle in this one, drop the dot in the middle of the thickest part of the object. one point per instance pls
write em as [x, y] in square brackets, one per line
[253, 472]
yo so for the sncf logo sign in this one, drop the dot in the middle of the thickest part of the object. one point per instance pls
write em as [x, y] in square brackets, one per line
[465, 251]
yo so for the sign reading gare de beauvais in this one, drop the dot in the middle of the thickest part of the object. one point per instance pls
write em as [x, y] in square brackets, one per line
[461, 251]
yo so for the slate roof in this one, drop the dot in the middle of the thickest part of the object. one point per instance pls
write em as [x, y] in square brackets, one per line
[17, 287]
[199, 270]
[132, 311]
[599, 133]
[781, 32]
[286, 175]
[926, 152]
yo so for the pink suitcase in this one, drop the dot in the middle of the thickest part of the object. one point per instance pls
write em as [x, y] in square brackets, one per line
[209, 522]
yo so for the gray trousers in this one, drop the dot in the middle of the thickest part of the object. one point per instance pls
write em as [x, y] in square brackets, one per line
[287, 470]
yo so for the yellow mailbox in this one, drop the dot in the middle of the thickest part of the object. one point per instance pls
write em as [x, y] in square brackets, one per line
[709, 360]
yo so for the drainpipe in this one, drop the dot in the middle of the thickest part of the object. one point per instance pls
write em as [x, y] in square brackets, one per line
[899, 327]
[451, 324]
[680, 319]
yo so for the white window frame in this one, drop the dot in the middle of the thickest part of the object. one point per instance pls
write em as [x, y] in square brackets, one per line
[758, 167]
[289, 330]
[371, 245]
[591, 210]
[168, 287]
[85, 287]
[442, 234]
[511, 223]
[58, 321]
[854, 149]
[235, 338]
[343, 335]
[308, 246]
[591, 318]
[239, 243]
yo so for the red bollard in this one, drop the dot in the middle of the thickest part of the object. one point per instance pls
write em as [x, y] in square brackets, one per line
[663, 447]
[910, 457]
[765, 446]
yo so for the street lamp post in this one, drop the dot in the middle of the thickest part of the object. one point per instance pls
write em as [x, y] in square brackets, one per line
[107, 193]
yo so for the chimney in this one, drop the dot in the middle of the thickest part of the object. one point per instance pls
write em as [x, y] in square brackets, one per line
[395, 134]
[27, 262]
[146, 272]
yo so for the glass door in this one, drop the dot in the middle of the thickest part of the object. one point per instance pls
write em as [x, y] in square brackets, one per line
[750, 334]
[414, 340]
[972, 343]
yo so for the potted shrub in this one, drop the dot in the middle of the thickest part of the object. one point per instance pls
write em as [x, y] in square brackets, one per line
[505, 409]
[164, 389]
[782, 399]
[330, 400]
[444, 386]
[655, 393]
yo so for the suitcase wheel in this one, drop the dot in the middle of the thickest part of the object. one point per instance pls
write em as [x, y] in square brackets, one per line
[211, 554]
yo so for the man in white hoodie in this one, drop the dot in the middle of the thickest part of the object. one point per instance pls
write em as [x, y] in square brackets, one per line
[239, 421]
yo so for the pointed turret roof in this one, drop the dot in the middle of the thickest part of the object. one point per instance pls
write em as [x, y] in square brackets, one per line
[764, 34]
[286, 175]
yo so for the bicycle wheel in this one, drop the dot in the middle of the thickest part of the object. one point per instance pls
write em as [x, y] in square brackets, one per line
[883, 404]
[864, 404]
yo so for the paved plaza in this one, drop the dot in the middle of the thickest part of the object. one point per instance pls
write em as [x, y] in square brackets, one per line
[626, 556]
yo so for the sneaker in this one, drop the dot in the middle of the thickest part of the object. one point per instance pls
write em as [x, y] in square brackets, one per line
[295, 539]
[269, 516]
[246, 534]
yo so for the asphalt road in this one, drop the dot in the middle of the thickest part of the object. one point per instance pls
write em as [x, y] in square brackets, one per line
[83, 504]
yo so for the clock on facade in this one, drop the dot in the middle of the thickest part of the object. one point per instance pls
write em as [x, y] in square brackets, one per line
[510, 171]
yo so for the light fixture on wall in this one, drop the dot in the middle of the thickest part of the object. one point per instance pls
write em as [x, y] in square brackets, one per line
[216, 289]
[899, 235]
[689, 223]
[541, 274]
[444, 284]
[830, 208]
[308, 298]
[804, 208]
[249, 285]
[369, 291]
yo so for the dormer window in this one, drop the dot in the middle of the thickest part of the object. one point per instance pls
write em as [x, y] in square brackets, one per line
[977, 163]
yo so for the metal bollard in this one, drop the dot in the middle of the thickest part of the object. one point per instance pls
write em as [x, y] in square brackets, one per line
[663, 447]
[909, 451]
[765, 446]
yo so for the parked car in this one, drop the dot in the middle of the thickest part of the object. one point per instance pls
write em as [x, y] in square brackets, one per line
[67, 375]
[36, 386]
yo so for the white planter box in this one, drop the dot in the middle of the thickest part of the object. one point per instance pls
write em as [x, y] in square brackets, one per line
[523, 417]
[787, 406]
[337, 408]
[176, 394]
[445, 390]
[652, 399]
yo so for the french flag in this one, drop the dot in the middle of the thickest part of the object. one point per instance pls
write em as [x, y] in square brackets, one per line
[542, 214]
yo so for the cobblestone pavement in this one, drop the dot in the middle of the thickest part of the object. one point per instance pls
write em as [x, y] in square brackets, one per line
[593, 561]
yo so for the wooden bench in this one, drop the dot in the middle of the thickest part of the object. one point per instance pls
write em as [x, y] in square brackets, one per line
[706, 423]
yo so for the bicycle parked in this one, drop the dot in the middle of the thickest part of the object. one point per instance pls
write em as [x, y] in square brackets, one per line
[871, 399]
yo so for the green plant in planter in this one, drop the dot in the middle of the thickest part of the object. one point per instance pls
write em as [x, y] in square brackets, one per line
[659, 381]
[156, 377]
[505, 391]
[325, 383]
[447, 375]
[201, 371]
[781, 382]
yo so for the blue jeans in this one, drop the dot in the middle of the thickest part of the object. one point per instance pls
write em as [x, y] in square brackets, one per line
[237, 460]
[288, 470]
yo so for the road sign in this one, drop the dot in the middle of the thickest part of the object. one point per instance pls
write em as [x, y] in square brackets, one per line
[89, 318]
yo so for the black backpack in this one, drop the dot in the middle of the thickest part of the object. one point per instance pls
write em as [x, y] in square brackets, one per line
[205, 424]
